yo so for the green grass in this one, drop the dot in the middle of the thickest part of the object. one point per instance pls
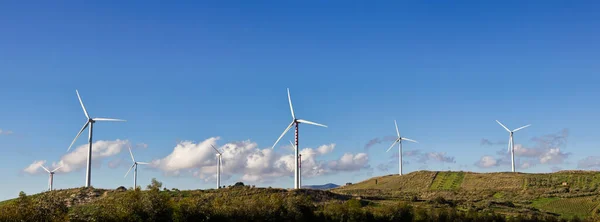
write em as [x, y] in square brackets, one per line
[499, 195]
[567, 207]
[447, 181]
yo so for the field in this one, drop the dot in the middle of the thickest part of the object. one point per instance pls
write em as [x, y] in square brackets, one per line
[565, 193]
[568, 207]
[447, 181]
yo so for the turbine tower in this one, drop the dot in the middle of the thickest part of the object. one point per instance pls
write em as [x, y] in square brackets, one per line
[300, 169]
[511, 142]
[299, 165]
[295, 122]
[219, 162]
[135, 165]
[51, 179]
[399, 141]
[90, 122]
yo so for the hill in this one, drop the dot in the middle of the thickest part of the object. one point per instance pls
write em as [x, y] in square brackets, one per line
[417, 196]
[564, 193]
[321, 187]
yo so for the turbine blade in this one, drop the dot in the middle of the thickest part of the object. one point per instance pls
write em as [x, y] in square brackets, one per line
[397, 131]
[82, 106]
[130, 153]
[129, 169]
[407, 139]
[392, 145]
[293, 145]
[311, 123]
[142, 163]
[78, 134]
[284, 132]
[290, 100]
[57, 168]
[503, 126]
[109, 119]
[46, 169]
[520, 128]
[215, 149]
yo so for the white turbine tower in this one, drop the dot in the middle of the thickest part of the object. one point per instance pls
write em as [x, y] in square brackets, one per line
[511, 142]
[295, 122]
[135, 165]
[90, 122]
[399, 141]
[51, 179]
[219, 162]
[299, 165]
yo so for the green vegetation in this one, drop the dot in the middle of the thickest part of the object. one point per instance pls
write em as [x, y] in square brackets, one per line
[447, 181]
[418, 196]
[565, 194]
[499, 195]
[568, 207]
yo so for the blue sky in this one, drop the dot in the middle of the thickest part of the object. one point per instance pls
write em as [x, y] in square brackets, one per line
[195, 74]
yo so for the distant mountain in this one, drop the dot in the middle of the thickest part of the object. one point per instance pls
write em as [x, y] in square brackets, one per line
[321, 187]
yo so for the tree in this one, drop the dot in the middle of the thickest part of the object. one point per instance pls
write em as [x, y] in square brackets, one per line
[155, 184]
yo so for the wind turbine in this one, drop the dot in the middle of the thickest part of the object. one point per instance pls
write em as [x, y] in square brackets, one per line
[135, 165]
[219, 161]
[51, 179]
[90, 122]
[399, 141]
[511, 142]
[295, 122]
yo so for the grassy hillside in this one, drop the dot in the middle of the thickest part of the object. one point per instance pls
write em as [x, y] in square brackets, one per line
[470, 181]
[237, 203]
[565, 193]
[418, 196]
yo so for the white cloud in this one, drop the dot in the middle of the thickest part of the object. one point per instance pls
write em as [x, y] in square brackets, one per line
[101, 149]
[34, 167]
[245, 158]
[520, 150]
[350, 162]
[187, 155]
[5, 132]
[553, 156]
[487, 162]
[325, 149]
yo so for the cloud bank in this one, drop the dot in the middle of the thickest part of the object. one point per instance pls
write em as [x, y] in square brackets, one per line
[77, 158]
[251, 162]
